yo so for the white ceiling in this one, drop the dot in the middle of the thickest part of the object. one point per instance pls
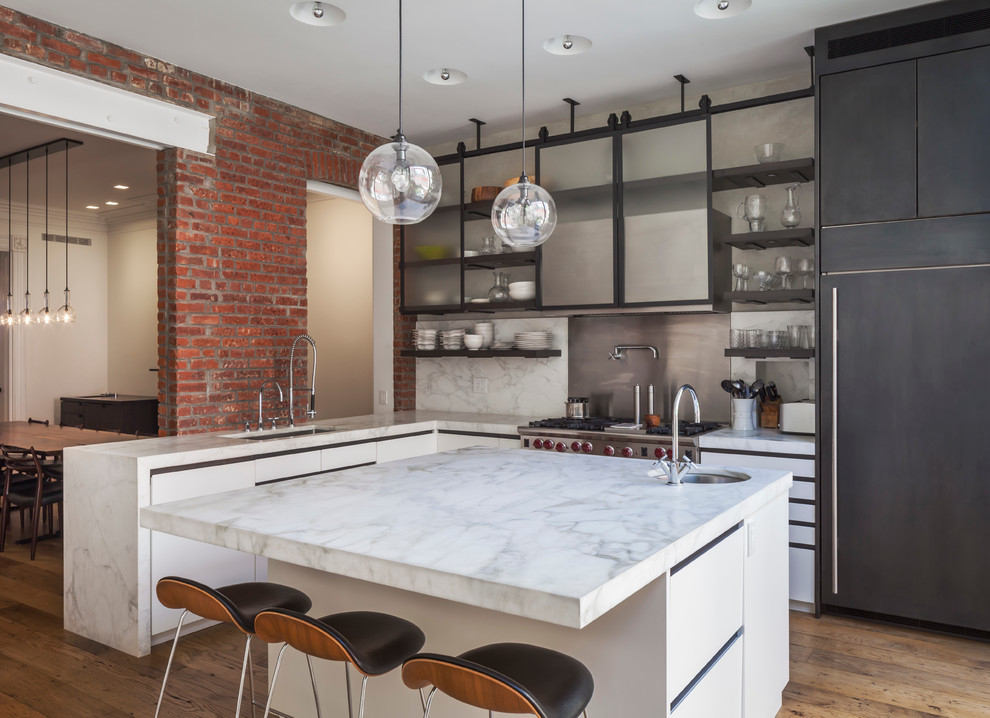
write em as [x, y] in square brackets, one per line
[349, 72]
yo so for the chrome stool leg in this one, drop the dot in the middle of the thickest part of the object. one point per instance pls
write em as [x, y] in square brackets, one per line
[168, 667]
[429, 701]
[364, 686]
[244, 665]
[271, 691]
[347, 683]
[312, 679]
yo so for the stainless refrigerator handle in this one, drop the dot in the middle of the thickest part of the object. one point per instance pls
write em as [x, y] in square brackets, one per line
[835, 442]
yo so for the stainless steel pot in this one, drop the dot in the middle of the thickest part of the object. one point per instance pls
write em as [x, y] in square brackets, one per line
[577, 407]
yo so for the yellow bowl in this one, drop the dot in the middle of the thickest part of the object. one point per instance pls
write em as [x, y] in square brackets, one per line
[431, 251]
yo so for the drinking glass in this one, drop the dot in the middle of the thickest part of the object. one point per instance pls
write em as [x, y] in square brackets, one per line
[778, 339]
[809, 336]
[794, 335]
[806, 270]
[763, 338]
[737, 338]
[740, 273]
[753, 338]
[784, 266]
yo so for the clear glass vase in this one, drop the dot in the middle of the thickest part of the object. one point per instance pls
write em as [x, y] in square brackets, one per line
[500, 290]
[791, 215]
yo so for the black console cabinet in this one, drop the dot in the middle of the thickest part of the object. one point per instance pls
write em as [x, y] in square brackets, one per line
[122, 413]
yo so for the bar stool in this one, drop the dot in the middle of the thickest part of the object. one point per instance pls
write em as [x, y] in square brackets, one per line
[239, 604]
[375, 643]
[505, 677]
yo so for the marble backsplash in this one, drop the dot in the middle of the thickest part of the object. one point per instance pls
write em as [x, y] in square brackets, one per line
[517, 386]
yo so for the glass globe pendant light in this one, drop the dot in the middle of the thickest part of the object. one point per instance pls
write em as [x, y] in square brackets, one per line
[7, 319]
[66, 314]
[400, 182]
[524, 214]
[46, 316]
[26, 317]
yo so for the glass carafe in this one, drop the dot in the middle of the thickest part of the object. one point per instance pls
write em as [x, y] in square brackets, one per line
[791, 216]
[500, 290]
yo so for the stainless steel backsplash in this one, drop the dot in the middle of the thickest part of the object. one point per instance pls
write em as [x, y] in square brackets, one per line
[691, 346]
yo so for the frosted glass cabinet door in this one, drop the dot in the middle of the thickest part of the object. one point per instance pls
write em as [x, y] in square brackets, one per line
[665, 205]
[578, 261]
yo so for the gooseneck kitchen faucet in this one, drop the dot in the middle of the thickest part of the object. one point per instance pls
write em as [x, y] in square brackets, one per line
[674, 467]
[261, 392]
[616, 352]
[292, 379]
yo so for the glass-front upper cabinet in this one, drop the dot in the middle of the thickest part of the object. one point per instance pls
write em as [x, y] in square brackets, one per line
[666, 206]
[431, 250]
[577, 267]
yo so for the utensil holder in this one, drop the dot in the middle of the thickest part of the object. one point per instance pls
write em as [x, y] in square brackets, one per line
[743, 414]
[770, 413]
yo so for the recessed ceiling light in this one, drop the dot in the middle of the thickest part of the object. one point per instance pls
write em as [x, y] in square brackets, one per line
[567, 45]
[444, 76]
[91, 206]
[111, 203]
[718, 9]
[121, 186]
[317, 13]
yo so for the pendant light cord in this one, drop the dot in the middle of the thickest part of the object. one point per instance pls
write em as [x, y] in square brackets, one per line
[67, 223]
[27, 230]
[10, 239]
[523, 89]
[46, 225]
[399, 134]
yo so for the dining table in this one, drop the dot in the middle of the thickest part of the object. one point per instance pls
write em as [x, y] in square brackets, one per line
[54, 438]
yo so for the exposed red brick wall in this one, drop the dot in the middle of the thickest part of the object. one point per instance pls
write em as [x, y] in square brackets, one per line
[403, 368]
[231, 226]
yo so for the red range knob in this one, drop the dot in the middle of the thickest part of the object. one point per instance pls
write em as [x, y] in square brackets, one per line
[609, 451]
[587, 448]
[575, 446]
[660, 453]
[627, 452]
[561, 446]
[548, 444]
[537, 443]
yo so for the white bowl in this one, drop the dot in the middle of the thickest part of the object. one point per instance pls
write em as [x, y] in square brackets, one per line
[522, 295]
[473, 341]
[523, 285]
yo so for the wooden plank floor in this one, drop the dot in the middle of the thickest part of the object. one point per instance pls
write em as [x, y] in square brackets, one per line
[840, 668]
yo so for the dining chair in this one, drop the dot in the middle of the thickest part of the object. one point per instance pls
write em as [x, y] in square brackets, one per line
[34, 491]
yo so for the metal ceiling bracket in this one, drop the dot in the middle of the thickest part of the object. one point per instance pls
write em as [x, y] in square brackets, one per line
[625, 118]
[810, 49]
[683, 80]
[478, 123]
[573, 104]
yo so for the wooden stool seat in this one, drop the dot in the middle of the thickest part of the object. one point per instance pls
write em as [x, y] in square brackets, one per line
[506, 677]
[375, 643]
[239, 604]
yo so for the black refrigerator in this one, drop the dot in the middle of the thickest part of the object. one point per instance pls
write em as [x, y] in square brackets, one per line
[903, 316]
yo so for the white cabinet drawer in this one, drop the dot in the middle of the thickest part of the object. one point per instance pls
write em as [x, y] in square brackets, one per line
[282, 467]
[192, 483]
[720, 693]
[449, 442]
[344, 456]
[802, 534]
[803, 490]
[799, 467]
[406, 447]
[802, 574]
[802, 512]
[705, 610]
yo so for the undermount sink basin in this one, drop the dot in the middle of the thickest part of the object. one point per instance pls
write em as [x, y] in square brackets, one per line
[713, 476]
[268, 435]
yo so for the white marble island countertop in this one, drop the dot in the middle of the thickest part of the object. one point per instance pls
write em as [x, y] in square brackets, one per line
[554, 537]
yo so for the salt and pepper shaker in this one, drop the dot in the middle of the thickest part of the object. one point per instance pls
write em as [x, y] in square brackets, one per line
[636, 405]
[649, 400]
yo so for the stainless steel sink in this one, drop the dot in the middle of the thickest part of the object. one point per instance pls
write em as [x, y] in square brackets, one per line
[272, 434]
[716, 476]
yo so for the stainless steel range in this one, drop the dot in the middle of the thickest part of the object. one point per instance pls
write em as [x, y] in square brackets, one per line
[599, 437]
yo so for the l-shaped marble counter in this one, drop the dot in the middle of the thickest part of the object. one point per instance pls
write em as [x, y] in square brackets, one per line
[112, 564]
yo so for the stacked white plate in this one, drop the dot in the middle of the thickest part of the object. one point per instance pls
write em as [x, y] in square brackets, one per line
[499, 346]
[425, 339]
[452, 338]
[533, 340]
[486, 330]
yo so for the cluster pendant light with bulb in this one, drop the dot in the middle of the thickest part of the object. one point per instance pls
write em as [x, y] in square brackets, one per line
[26, 317]
[524, 214]
[400, 182]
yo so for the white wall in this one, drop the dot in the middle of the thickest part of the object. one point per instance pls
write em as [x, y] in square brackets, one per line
[132, 310]
[339, 296]
[59, 360]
